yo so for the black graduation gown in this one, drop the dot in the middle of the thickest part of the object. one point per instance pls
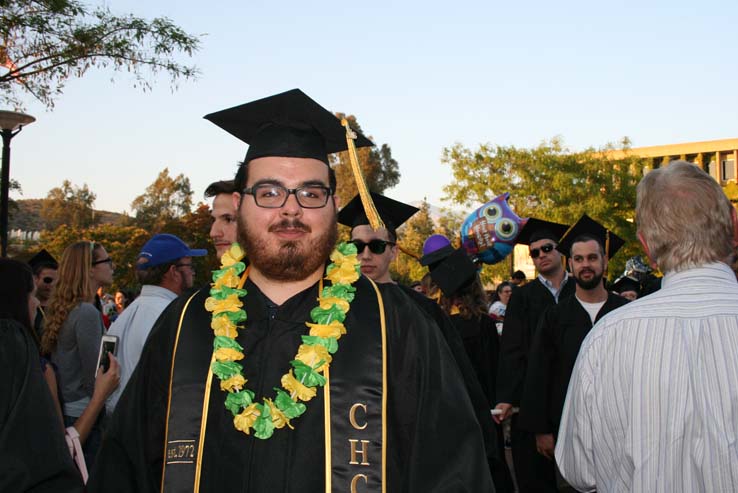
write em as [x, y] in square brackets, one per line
[427, 418]
[33, 453]
[482, 400]
[554, 351]
[524, 310]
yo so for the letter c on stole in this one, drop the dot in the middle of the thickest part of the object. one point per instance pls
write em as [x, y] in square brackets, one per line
[352, 416]
[355, 480]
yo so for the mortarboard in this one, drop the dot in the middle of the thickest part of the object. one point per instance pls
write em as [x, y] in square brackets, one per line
[538, 229]
[392, 212]
[43, 259]
[289, 124]
[451, 269]
[588, 226]
[626, 283]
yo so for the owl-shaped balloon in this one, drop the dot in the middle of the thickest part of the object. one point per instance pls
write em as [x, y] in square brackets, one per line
[488, 234]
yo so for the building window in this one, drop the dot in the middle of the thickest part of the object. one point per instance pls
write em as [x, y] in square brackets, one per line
[728, 168]
[711, 169]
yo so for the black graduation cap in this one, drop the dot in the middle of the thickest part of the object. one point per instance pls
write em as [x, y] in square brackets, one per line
[450, 268]
[289, 124]
[43, 260]
[626, 283]
[392, 212]
[587, 225]
[538, 229]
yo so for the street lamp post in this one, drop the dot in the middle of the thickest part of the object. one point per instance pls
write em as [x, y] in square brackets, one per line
[11, 123]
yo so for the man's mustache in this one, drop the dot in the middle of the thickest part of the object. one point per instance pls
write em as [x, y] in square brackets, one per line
[290, 225]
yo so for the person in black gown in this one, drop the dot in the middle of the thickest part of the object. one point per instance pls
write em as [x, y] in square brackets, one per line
[288, 246]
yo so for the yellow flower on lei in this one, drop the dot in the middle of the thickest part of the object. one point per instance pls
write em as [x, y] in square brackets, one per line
[228, 354]
[236, 382]
[311, 355]
[344, 273]
[244, 421]
[334, 329]
[230, 304]
[223, 326]
[302, 392]
[234, 255]
[326, 303]
[229, 279]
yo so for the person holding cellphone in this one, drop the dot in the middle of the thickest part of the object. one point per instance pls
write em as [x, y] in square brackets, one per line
[73, 332]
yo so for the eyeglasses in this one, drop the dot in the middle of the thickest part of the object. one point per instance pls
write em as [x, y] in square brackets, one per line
[275, 196]
[48, 280]
[103, 261]
[535, 252]
[375, 246]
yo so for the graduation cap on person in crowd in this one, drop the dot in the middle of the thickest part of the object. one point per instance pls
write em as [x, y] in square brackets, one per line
[291, 124]
[450, 268]
[539, 229]
[626, 283]
[588, 226]
[43, 260]
[392, 212]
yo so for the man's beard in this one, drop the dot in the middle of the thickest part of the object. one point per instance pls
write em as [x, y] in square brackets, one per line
[592, 283]
[290, 262]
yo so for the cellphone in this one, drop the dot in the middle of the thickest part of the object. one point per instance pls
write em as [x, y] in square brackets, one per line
[109, 344]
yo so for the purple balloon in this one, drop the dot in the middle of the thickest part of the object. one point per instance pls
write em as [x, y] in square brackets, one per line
[435, 242]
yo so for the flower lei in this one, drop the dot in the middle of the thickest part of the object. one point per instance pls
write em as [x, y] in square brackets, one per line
[313, 356]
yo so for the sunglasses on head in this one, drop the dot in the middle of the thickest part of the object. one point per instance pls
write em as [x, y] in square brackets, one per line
[535, 252]
[375, 246]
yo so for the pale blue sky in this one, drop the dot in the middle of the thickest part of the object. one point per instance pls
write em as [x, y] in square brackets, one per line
[420, 76]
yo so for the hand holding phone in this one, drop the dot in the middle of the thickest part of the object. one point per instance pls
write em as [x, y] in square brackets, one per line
[109, 344]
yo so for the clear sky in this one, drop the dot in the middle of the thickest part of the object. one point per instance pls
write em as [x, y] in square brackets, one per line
[420, 76]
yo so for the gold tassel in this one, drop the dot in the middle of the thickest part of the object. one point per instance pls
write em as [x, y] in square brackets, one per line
[366, 200]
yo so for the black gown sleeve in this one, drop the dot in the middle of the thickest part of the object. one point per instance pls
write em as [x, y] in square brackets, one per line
[131, 455]
[536, 402]
[513, 353]
[443, 448]
[33, 453]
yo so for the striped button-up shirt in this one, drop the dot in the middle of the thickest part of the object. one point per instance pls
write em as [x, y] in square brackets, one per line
[652, 405]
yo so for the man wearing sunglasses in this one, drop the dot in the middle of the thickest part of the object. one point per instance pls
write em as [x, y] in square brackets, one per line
[527, 304]
[377, 249]
[44, 268]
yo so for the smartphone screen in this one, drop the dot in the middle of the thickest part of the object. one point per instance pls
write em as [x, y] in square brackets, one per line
[108, 345]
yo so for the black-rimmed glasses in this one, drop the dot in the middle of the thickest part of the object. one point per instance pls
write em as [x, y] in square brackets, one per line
[189, 266]
[535, 252]
[375, 246]
[275, 196]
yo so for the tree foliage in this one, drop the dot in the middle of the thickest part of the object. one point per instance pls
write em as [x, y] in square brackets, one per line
[380, 170]
[411, 237]
[552, 182]
[13, 186]
[70, 205]
[43, 43]
[166, 199]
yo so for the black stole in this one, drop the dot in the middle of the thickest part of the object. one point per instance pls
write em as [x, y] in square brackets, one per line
[355, 401]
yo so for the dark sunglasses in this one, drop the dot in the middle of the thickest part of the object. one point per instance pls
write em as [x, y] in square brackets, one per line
[48, 280]
[375, 246]
[103, 261]
[535, 252]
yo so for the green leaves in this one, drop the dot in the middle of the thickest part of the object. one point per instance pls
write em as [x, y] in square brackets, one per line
[235, 401]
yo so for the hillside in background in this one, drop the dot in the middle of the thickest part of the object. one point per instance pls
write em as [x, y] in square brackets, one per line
[27, 216]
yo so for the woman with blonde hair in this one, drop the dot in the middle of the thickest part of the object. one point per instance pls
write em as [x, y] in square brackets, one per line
[74, 329]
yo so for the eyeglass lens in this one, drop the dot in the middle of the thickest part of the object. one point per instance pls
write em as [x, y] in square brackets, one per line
[536, 252]
[375, 246]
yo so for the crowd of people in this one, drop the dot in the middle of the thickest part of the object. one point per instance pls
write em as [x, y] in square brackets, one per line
[625, 387]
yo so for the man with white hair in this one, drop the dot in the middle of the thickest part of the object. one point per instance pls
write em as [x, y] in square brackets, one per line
[653, 399]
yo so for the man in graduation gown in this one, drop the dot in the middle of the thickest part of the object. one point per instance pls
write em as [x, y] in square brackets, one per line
[562, 329]
[389, 414]
[533, 472]
[376, 250]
